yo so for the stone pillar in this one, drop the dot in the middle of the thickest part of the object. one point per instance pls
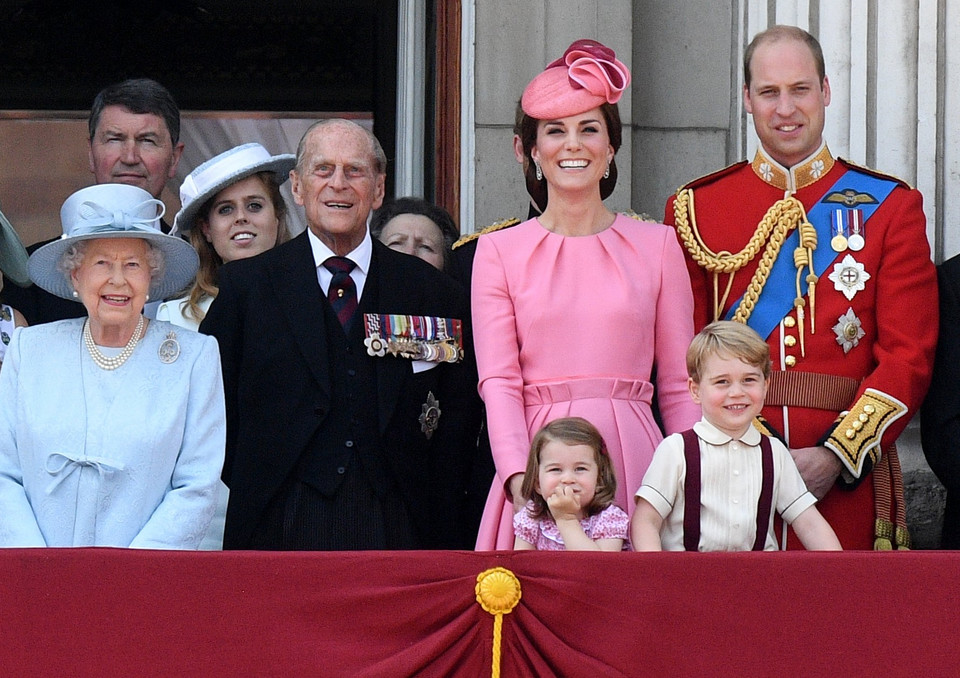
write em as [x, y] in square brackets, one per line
[515, 39]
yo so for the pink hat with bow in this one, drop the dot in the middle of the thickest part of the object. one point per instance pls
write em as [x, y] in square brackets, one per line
[586, 76]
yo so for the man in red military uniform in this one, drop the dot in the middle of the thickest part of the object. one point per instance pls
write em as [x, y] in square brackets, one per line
[829, 262]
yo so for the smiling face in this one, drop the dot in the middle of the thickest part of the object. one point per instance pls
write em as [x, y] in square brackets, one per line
[133, 148]
[338, 184]
[112, 281]
[417, 235]
[242, 220]
[730, 393]
[573, 152]
[787, 100]
[568, 466]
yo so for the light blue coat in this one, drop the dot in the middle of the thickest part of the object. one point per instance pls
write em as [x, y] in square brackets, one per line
[90, 457]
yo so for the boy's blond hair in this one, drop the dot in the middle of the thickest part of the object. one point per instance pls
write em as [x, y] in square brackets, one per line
[730, 340]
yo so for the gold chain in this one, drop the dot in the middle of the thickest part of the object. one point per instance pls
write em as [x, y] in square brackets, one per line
[776, 225]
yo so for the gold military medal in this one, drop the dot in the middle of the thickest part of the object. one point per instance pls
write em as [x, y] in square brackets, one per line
[839, 240]
[428, 338]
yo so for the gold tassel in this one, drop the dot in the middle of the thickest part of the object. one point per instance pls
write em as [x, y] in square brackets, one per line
[498, 592]
[808, 241]
[884, 531]
[770, 234]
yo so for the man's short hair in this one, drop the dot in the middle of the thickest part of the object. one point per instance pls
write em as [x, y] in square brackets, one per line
[727, 339]
[140, 96]
[379, 156]
[776, 34]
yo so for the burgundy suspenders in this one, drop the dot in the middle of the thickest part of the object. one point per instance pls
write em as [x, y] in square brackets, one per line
[691, 492]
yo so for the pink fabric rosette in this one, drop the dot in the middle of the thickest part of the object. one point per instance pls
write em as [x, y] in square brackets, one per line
[586, 76]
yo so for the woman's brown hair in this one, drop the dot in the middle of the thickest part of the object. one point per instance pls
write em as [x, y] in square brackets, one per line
[206, 282]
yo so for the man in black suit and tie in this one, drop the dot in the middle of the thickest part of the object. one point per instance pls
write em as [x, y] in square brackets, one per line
[134, 130]
[344, 410]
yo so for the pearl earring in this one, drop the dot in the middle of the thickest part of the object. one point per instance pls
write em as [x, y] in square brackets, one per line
[147, 298]
[539, 171]
[75, 294]
[606, 175]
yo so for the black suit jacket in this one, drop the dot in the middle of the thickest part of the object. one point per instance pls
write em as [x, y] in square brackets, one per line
[268, 319]
[940, 414]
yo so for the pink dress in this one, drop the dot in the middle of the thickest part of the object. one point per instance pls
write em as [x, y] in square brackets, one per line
[573, 326]
[610, 523]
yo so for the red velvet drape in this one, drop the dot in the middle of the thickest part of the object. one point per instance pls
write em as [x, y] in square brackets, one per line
[106, 612]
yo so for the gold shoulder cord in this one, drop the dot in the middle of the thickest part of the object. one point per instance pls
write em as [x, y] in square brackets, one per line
[782, 217]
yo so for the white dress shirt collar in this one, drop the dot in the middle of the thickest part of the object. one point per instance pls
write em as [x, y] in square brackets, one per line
[361, 256]
[715, 436]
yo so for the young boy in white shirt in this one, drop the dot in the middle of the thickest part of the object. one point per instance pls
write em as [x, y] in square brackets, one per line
[732, 476]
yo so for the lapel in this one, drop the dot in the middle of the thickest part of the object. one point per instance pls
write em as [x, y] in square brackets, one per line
[390, 298]
[294, 278]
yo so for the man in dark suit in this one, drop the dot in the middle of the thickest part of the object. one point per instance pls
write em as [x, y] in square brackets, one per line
[332, 441]
[940, 415]
[134, 130]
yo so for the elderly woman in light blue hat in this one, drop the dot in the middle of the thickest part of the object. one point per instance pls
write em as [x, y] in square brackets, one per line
[111, 426]
[232, 209]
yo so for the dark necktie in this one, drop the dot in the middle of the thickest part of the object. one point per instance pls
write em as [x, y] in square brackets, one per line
[342, 292]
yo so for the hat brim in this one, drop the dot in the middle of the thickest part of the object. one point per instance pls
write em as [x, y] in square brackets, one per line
[550, 96]
[13, 255]
[278, 165]
[180, 263]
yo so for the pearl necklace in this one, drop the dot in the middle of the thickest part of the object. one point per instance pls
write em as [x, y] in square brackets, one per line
[102, 361]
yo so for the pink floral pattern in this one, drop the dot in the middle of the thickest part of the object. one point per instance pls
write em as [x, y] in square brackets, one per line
[610, 523]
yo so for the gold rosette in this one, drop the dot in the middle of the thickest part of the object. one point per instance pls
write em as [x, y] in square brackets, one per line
[498, 592]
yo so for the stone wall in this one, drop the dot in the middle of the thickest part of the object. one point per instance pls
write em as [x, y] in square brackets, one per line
[684, 115]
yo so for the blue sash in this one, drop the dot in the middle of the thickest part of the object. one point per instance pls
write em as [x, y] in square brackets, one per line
[776, 298]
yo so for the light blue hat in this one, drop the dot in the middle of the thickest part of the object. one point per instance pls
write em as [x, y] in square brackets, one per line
[114, 211]
[221, 171]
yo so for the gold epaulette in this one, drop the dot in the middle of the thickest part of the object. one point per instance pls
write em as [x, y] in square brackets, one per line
[856, 437]
[639, 217]
[766, 428]
[713, 176]
[875, 173]
[500, 225]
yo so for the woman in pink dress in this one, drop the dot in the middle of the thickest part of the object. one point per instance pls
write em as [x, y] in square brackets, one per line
[575, 310]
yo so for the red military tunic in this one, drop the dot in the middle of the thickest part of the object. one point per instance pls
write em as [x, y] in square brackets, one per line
[882, 340]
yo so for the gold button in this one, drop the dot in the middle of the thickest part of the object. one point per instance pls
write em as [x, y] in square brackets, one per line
[790, 361]
[869, 409]
[789, 321]
[790, 341]
[340, 294]
[857, 425]
[851, 434]
[864, 418]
